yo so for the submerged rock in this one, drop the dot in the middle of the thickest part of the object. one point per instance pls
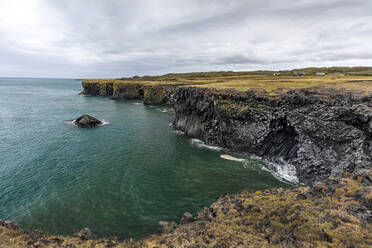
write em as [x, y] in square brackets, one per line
[87, 121]
[9, 224]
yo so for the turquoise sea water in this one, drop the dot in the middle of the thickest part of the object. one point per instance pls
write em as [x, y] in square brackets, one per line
[119, 179]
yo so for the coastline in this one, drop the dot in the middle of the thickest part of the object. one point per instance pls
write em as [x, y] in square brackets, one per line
[317, 131]
[325, 134]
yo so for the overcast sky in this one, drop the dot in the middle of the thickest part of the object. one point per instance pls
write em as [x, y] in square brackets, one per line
[114, 38]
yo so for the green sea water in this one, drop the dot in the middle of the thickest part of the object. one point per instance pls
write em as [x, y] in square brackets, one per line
[119, 179]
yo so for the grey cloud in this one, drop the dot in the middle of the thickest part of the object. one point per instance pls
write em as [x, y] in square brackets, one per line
[114, 38]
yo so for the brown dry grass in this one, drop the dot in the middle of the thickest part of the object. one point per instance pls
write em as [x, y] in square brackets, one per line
[273, 85]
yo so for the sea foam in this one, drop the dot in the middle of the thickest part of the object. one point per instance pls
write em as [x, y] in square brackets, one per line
[280, 169]
[201, 144]
[104, 122]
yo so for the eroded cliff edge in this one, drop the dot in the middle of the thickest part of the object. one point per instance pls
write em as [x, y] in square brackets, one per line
[318, 135]
[319, 132]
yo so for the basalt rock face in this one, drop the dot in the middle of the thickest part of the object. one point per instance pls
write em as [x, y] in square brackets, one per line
[153, 94]
[319, 133]
[97, 89]
[160, 95]
[128, 92]
[320, 136]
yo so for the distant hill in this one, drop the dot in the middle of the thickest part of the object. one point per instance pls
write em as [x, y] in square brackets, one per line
[358, 71]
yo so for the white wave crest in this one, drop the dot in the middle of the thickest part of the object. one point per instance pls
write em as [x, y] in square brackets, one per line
[104, 123]
[179, 132]
[286, 171]
[164, 110]
[71, 122]
[280, 169]
[201, 144]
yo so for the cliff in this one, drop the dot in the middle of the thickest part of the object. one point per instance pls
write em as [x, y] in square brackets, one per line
[160, 94]
[334, 213]
[318, 135]
[316, 131]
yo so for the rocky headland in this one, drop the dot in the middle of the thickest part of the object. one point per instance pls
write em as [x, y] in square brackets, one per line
[318, 131]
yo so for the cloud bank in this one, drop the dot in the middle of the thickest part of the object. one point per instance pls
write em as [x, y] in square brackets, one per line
[114, 38]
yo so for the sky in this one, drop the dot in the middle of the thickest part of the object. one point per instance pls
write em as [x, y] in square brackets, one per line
[117, 38]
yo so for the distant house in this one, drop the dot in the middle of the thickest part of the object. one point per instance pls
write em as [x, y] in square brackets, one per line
[299, 74]
[276, 74]
[351, 73]
[320, 74]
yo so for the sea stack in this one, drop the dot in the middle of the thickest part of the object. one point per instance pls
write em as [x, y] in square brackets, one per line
[87, 121]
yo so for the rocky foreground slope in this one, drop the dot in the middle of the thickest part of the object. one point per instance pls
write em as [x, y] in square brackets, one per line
[334, 213]
[318, 131]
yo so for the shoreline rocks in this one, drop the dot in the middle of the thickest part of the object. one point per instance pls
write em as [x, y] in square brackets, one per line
[84, 234]
[187, 218]
[166, 227]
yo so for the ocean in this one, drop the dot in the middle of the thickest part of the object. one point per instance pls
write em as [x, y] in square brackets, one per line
[118, 179]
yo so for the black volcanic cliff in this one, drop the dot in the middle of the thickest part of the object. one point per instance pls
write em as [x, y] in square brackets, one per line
[319, 134]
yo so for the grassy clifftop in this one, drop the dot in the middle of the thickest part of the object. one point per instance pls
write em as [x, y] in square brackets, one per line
[334, 213]
[354, 79]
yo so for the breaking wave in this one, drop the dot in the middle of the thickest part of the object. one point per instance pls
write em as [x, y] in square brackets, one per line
[279, 169]
[179, 132]
[201, 144]
[104, 123]
[165, 110]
